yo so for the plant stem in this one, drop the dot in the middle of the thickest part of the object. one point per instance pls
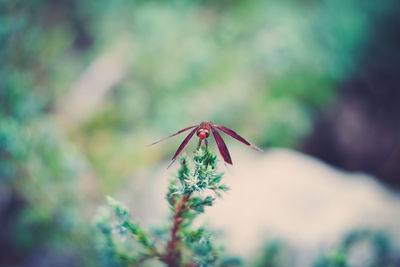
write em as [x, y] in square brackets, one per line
[173, 256]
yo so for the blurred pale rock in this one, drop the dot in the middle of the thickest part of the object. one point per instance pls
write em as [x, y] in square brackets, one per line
[282, 194]
[90, 90]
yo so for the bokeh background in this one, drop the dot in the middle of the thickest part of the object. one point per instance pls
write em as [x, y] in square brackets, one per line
[85, 85]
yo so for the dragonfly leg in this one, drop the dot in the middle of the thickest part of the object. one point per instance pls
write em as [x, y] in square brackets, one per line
[198, 146]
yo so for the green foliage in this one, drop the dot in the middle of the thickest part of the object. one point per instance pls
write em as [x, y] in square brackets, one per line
[272, 255]
[183, 244]
[335, 258]
[114, 254]
[41, 197]
[375, 246]
[359, 247]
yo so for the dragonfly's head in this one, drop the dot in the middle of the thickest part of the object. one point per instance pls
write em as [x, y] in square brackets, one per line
[203, 133]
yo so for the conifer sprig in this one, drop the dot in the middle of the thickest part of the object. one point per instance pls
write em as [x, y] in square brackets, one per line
[189, 193]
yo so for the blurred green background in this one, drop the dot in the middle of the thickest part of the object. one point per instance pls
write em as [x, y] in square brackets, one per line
[85, 85]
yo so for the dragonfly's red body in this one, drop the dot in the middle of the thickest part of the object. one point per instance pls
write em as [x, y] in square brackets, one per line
[203, 131]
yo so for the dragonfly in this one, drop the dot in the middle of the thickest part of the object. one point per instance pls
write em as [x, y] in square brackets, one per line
[203, 131]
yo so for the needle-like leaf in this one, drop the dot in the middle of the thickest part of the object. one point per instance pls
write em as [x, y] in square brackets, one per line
[181, 131]
[236, 136]
[223, 150]
[182, 146]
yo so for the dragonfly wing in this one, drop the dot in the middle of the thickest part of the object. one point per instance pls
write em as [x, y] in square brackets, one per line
[236, 136]
[223, 150]
[181, 131]
[182, 146]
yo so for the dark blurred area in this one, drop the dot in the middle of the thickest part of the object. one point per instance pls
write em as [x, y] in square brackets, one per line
[361, 131]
